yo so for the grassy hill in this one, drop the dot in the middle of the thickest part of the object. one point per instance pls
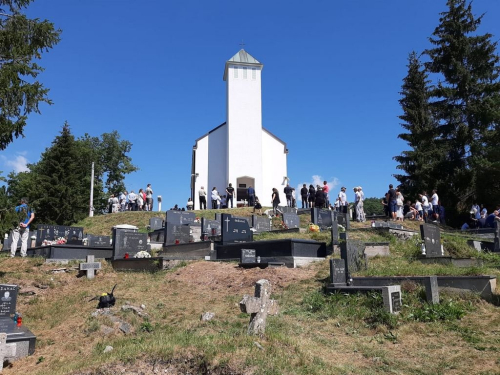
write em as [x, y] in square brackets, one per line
[314, 333]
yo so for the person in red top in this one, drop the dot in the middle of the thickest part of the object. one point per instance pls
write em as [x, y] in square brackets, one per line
[326, 189]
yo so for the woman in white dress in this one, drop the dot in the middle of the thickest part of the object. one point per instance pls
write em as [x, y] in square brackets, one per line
[399, 203]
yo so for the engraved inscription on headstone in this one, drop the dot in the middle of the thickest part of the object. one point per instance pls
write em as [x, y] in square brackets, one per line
[235, 230]
[8, 300]
[291, 220]
[392, 298]
[248, 256]
[129, 243]
[98, 241]
[177, 234]
[180, 217]
[432, 240]
[210, 227]
[261, 224]
[338, 276]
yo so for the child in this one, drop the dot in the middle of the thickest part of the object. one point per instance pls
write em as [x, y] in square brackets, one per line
[257, 206]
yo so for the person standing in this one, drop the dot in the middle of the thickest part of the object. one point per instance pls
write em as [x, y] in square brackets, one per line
[202, 195]
[288, 194]
[362, 207]
[357, 204]
[319, 201]
[435, 205]
[303, 196]
[229, 195]
[26, 216]
[425, 204]
[251, 196]
[140, 200]
[391, 199]
[275, 198]
[123, 201]
[149, 198]
[312, 195]
[343, 200]
[132, 201]
[215, 198]
[326, 190]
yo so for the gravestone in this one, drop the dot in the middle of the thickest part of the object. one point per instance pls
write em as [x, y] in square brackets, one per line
[218, 217]
[431, 290]
[291, 220]
[322, 218]
[179, 217]
[392, 298]
[261, 224]
[432, 240]
[342, 218]
[98, 241]
[210, 227]
[90, 266]
[335, 233]
[386, 224]
[353, 252]
[259, 306]
[8, 300]
[235, 230]
[338, 275]
[343, 236]
[127, 242]
[74, 235]
[247, 218]
[287, 210]
[155, 223]
[248, 256]
[177, 234]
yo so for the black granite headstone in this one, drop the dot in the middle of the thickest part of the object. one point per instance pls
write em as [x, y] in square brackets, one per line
[353, 252]
[180, 217]
[127, 242]
[248, 256]
[335, 233]
[177, 234]
[261, 224]
[287, 210]
[98, 241]
[74, 235]
[338, 275]
[155, 223]
[342, 218]
[210, 227]
[432, 240]
[218, 217]
[8, 300]
[291, 220]
[235, 230]
[322, 218]
[396, 301]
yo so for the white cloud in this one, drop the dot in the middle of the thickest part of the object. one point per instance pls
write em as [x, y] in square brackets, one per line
[316, 180]
[18, 163]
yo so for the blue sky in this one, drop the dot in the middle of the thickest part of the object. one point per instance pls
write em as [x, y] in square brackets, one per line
[153, 70]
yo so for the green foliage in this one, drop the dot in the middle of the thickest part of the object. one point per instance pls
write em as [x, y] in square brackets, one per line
[447, 311]
[453, 125]
[373, 206]
[22, 40]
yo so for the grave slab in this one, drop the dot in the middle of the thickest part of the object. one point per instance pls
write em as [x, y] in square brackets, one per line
[373, 249]
[291, 220]
[392, 298]
[322, 218]
[338, 275]
[235, 230]
[98, 241]
[155, 223]
[432, 240]
[177, 234]
[180, 217]
[431, 290]
[130, 243]
[211, 227]
[261, 224]
[353, 252]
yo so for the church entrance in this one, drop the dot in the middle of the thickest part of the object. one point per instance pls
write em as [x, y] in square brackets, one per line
[242, 185]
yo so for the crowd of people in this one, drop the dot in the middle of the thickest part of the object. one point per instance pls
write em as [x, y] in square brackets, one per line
[125, 201]
[479, 217]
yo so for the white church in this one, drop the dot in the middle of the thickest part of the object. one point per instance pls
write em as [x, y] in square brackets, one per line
[240, 151]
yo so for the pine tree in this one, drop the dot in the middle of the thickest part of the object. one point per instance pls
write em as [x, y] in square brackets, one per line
[421, 162]
[21, 41]
[62, 183]
[465, 103]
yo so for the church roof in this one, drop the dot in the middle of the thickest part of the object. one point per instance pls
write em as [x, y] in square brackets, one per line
[242, 58]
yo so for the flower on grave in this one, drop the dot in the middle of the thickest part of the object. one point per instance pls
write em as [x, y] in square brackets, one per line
[313, 227]
[142, 254]
[197, 220]
[60, 241]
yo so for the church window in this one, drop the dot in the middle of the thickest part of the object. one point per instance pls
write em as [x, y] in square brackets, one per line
[235, 72]
[254, 73]
[245, 72]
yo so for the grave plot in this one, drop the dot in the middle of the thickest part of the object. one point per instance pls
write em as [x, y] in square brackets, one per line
[16, 341]
[433, 251]
[261, 224]
[127, 242]
[322, 218]
[291, 220]
[212, 228]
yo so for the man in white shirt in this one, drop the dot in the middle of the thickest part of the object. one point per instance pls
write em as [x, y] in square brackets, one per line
[202, 194]
[435, 204]
[343, 200]
[357, 204]
[149, 198]
[425, 204]
[363, 216]
[132, 199]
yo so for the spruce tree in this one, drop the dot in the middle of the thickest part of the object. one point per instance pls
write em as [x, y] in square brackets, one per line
[420, 163]
[465, 103]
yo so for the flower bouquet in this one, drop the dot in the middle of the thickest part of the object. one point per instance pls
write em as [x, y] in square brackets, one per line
[142, 254]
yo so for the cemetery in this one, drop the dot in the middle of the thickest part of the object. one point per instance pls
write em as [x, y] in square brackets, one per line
[385, 278]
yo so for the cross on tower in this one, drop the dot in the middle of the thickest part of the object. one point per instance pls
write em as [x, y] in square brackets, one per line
[259, 306]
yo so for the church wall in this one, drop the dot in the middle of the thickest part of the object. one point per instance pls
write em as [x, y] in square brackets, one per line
[274, 168]
[201, 167]
[217, 150]
[244, 118]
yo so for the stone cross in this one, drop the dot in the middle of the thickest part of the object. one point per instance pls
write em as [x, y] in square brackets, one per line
[259, 306]
[90, 266]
